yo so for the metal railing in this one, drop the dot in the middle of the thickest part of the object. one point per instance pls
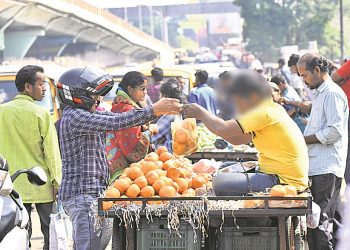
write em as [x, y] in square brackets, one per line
[114, 19]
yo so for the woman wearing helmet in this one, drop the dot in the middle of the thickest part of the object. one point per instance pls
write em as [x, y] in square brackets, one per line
[82, 132]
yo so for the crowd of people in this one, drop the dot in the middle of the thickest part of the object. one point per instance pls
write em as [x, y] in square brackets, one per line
[297, 120]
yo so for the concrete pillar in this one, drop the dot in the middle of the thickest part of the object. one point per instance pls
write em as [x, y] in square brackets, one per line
[17, 43]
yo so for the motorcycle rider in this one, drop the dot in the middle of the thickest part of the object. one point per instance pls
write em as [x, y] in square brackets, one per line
[82, 140]
[29, 139]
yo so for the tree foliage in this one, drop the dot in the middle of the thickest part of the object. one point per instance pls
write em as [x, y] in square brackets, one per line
[270, 24]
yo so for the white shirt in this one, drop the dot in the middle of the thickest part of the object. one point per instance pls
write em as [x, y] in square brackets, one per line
[329, 122]
[296, 82]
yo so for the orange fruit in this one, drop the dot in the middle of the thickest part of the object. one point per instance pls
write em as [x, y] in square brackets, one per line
[189, 191]
[187, 195]
[126, 178]
[122, 185]
[197, 182]
[152, 176]
[126, 171]
[155, 202]
[133, 191]
[122, 202]
[291, 191]
[148, 166]
[176, 186]
[147, 192]
[136, 164]
[189, 124]
[112, 192]
[179, 148]
[191, 145]
[173, 173]
[253, 203]
[134, 172]
[158, 184]
[167, 191]
[181, 135]
[278, 190]
[161, 150]
[106, 205]
[183, 184]
[168, 164]
[159, 164]
[167, 180]
[207, 177]
[152, 157]
[184, 173]
[160, 172]
[165, 156]
[141, 182]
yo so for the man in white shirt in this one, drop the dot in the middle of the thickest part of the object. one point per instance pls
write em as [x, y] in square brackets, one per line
[326, 135]
[295, 80]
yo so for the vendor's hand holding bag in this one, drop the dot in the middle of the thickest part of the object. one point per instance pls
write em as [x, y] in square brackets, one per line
[61, 230]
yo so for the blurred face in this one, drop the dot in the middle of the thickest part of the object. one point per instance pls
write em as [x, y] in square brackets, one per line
[138, 93]
[294, 69]
[36, 91]
[243, 104]
[276, 94]
[311, 79]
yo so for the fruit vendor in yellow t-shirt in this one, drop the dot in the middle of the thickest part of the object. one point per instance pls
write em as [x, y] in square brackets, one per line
[283, 154]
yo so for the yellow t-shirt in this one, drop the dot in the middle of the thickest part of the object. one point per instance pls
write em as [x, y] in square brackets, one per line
[281, 145]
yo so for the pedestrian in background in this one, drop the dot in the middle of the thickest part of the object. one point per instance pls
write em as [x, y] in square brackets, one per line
[202, 94]
[326, 135]
[283, 69]
[295, 81]
[29, 139]
[154, 86]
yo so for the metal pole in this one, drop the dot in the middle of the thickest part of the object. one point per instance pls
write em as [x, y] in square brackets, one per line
[341, 30]
[140, 17]
[125, 13]
[151, 20]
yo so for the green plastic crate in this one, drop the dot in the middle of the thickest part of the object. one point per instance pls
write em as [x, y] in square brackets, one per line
[156, 236]
[248, 238]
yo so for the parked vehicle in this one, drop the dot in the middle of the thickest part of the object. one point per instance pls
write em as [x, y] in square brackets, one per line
[13, 215]
[8, 91]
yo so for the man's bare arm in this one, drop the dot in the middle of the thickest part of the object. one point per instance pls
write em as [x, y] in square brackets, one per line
[311, 139]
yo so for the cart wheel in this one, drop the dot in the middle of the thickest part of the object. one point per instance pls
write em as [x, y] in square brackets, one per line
[294, 233]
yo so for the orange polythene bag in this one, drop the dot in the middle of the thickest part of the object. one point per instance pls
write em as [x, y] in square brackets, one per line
[185, 136]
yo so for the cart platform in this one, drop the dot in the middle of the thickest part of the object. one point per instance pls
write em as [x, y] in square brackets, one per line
[282, 214]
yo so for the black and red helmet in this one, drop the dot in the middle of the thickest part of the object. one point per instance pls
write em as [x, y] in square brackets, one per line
[77, 86]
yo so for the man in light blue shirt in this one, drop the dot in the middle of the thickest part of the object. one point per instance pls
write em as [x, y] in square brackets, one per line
[287, 91]
[327, 137]
[202, 94]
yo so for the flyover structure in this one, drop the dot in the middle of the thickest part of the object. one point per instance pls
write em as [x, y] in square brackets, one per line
[46, 29]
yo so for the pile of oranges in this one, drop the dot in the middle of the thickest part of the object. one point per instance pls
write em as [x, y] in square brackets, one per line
[184, 136]
[159, 174]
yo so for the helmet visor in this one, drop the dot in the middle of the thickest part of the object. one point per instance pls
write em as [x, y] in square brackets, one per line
[103, 80]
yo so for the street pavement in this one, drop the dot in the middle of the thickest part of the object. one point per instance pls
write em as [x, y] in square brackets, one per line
[38, 238]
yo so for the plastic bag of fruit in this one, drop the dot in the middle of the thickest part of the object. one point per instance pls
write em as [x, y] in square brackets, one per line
[185, 136]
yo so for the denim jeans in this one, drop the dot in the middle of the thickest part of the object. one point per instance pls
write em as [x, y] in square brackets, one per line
[84, 235]
[237, 183]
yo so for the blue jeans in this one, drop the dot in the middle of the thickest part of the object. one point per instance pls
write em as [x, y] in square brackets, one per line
[232, 184]
[84, 235]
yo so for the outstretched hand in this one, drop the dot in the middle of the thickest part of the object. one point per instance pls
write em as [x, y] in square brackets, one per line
[167, 106]
[192, 110]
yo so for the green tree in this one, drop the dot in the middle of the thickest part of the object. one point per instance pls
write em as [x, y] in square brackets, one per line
[270, 24]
